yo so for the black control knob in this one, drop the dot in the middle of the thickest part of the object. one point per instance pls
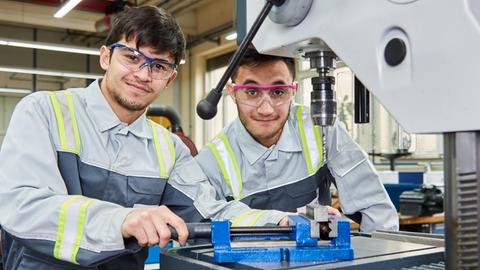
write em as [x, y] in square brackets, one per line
[395, 52]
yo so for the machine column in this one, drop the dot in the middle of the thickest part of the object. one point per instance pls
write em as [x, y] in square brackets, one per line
[462, 200]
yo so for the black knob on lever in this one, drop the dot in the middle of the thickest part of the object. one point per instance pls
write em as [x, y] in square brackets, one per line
[207, 107]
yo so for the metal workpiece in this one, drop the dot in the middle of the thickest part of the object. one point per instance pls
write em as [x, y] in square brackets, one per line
[322, 226]
[316, 212]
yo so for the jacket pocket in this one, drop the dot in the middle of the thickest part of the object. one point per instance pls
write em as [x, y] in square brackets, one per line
[357, 181]
[346, 161]
[147, 191]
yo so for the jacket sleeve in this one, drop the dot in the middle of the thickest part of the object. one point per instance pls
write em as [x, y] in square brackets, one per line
[358, 184]
[36, 209]
[210, 196]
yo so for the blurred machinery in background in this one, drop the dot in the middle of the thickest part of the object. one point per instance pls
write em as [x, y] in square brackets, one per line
[423, 201]
[104, 24]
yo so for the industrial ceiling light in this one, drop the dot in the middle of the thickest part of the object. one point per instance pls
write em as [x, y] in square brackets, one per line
[48, 46]
[14, 92]
[66, 8]
[49, 72]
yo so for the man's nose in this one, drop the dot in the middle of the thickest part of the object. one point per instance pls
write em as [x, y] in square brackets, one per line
[144, 73]
[265, 107]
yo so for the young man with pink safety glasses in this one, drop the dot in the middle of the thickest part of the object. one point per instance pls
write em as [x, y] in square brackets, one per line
[271, 156]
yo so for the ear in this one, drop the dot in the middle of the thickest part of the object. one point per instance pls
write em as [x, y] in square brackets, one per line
[104, 57]
[171, 79]
[230, 91]
[296, 88]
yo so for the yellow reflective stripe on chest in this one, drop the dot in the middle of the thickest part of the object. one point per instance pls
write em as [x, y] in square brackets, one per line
[62, 103]
[164, 149]
[71, 226]
[311, 142]
[222, 150]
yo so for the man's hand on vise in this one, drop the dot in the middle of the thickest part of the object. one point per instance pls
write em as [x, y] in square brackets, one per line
[283, 221]
[149, 226]
[333, 211]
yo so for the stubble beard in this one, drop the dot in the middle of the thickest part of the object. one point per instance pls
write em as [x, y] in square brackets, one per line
[127, 104]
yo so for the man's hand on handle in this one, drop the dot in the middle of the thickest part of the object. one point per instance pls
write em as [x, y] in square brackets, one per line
[149, 226]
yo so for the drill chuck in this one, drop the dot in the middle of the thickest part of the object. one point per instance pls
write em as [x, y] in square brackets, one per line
[323, 101]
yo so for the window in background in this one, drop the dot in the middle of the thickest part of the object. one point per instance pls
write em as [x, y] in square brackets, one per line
[226, 109]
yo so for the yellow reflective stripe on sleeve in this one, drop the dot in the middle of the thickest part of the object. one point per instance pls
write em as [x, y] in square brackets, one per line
[255, 218]
[306, 152]
[236, 221]
[59, 117]
[61, 225]
[163, 171]
[215, 153]
[224, 138]
[318, 139]
[248, 218]
[71, 227]
[80, 228]
[74, 120]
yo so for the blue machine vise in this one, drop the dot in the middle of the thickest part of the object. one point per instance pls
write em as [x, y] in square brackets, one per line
[305, 247]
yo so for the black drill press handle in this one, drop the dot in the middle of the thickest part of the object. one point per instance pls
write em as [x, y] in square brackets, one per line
[195, 231]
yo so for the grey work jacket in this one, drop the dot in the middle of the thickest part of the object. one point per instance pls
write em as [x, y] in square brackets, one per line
[280, 178]
[67, 186]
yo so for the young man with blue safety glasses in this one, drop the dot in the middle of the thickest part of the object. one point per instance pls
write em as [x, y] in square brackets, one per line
[87, 181]
[271, 156]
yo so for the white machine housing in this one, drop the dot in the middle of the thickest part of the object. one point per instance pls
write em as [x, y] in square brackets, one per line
[437, 86]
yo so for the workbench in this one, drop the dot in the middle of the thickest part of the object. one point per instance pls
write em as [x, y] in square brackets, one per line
[380, 250]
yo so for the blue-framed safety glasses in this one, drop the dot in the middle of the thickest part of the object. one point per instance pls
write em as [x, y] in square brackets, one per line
[132, 59]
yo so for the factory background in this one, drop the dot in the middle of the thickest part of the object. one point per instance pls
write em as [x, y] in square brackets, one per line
[210, 27]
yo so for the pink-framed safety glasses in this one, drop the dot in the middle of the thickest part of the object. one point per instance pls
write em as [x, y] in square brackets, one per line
[254, 94]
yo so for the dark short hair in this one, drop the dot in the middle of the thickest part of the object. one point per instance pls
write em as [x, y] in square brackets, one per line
[149, 26]
[253, 58]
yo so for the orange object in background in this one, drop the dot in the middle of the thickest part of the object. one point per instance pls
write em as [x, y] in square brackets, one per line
[162, 120]
[168, 118]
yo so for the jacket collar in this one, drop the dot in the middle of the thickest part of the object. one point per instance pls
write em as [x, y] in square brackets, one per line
[253, 150]
[105, 118]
